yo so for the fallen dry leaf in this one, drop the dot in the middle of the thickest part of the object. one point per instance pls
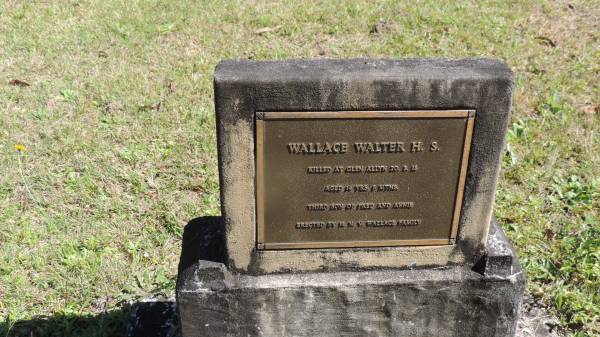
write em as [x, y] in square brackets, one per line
[267, 30]
[549, 234]
[155, 106]
[113, 106]
[590, 109]
[19, 83]
[150, 181]
[380, 27]
[170, 87]
[546, 40]
[324, 51]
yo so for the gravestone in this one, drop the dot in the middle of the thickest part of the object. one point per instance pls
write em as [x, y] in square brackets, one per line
[356, 200]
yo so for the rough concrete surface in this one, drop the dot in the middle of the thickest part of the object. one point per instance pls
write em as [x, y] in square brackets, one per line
[449, 301]
[243, 88]
[160, 320]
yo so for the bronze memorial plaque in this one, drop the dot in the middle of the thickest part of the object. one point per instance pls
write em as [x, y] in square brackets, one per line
[360, 178]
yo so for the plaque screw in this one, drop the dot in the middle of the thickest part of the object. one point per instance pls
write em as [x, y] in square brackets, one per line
[260, 115]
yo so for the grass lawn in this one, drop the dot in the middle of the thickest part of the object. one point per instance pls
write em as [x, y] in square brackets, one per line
[107, 137]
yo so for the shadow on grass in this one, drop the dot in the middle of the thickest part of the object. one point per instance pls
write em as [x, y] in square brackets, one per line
[112, 323]
[141, 319]
[202, 239]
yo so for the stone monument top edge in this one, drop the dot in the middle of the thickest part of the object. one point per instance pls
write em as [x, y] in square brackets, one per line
[362, 68]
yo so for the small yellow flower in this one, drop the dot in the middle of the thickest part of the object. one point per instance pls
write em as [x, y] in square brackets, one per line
[20, 148]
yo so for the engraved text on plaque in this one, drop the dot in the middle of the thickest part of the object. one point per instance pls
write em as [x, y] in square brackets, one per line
[360, 178]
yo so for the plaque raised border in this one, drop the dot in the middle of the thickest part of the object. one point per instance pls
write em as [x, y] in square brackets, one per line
[261, 117]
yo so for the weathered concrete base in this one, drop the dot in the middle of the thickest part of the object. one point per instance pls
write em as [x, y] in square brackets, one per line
[443, 302]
